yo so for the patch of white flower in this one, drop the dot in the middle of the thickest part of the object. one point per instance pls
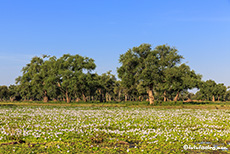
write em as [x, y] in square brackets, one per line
[151, 125]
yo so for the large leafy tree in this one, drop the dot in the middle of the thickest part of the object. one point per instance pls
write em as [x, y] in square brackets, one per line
[221, 90]
[48, 76]
[142, 64]
[32, 82]
[105, 84]
[108, 81]
[4, 93]
[227, 96]
[128, 71]
[14, 93]
[210, 90]
[118, 90]
[179, 79]
[69, 71]
[85, 86]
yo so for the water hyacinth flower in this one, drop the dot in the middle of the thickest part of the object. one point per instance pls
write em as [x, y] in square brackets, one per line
[151, 126]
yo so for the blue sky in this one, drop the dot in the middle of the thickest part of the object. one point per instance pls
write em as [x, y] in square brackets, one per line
[104, 29]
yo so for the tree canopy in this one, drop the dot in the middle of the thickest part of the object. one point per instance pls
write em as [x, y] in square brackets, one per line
[156, 69]
[146, 73]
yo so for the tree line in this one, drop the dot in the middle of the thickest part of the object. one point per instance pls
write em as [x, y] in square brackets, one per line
[145, 73]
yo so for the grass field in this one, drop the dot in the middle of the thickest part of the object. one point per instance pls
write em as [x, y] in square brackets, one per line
[114, 128]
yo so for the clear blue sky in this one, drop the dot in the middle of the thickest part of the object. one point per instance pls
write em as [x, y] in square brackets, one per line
[104, 29]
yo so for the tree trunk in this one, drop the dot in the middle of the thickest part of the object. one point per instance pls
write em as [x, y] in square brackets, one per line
[67, 97]
[45, 98]
[54, 99]
[119, 96]
[78, 99]
[151, 97]
[110, 98]
[140, 98]
[165, 99]
[177, 95]
[106, 97]
[100, 95]
[83, 97]
[92, 98]
[218, 98]
[11, 99]
[213, 98]
[126, 97]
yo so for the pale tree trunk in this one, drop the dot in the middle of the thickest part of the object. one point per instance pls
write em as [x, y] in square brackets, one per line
[126, 97]
[67, 97]
[11, 99]
[100, 95]
[213, 98]
[165, 99]
[106, 97]
[45, 98]
[139, 98]
[151, 97]
[177, 96]
[54, 99]
[83, 97]
[78, 99]
[110, 98]
[119, 96]
[218, 98]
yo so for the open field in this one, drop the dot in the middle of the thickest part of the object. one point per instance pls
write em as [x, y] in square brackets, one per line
[115, 128]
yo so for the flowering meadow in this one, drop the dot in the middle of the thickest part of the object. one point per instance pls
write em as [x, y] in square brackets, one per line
[49, 129]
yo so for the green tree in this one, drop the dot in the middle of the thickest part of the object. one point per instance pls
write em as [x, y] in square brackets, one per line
[227, 95]
[209, 90]
[127, 72]
[14, 93]
[4, 93]
[118, 90]
[142, 64]
[50, 77]
[220, 91]
[179, 79]
[107, 84]
[141, 91]
[31, 82]
[69, 70]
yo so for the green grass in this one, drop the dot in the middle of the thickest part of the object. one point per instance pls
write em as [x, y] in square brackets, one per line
[132, 104]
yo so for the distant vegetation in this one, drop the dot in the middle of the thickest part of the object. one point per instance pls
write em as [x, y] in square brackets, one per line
[145, 74]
